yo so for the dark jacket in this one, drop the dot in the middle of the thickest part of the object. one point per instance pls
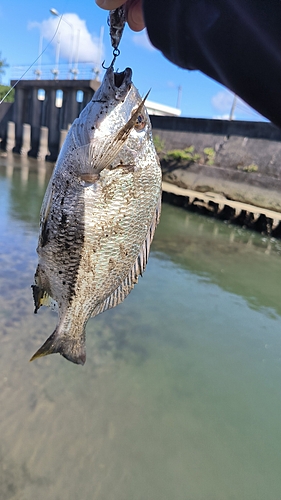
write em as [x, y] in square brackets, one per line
[236, 42]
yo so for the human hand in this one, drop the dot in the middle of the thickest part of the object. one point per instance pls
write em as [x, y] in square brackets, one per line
[134, 12]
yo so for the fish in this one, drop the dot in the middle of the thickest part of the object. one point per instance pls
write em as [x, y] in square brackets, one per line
[98, 215]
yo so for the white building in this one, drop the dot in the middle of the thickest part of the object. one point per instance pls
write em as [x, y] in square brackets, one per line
[154, 108]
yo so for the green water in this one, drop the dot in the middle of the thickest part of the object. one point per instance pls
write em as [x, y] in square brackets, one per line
[180, 397]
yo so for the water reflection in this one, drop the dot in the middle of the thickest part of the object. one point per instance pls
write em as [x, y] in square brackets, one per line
[180, 395]
[238, 260]
[28, 179]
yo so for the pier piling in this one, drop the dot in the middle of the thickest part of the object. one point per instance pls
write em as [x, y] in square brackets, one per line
[26, 139]
[43, 144]
[11, 136]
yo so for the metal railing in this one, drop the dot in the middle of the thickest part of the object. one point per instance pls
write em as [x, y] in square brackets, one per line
[83, 71]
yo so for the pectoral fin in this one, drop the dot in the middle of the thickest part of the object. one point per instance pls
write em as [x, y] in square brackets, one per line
[89, 178]
[110, 147]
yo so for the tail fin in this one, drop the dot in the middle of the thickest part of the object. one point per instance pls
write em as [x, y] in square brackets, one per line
[72, 349]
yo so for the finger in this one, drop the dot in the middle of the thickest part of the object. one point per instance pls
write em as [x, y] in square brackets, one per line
[109, 4]
[135, 17]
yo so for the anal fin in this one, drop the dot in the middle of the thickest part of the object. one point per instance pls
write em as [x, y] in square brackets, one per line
[42, 298]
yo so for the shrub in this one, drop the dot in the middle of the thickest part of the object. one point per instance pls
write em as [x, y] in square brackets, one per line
[210, 155]
[248, 168]
[159, 144]
[186, 154]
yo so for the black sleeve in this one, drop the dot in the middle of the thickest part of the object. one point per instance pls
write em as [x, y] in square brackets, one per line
[236, 42]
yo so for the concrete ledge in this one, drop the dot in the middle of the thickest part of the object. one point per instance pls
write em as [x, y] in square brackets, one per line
[254, 217]
[252, 188]
[208, 200]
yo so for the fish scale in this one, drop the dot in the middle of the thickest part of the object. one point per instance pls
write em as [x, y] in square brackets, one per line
[99, 214]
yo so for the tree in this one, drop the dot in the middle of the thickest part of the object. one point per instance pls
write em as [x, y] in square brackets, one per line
[3, 64]
[3, 91]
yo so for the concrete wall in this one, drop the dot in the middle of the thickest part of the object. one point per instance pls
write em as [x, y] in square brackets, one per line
[237, 145]
[6, 114]
[259, 130]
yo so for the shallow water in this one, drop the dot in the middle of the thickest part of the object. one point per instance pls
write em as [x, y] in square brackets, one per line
[180, 397]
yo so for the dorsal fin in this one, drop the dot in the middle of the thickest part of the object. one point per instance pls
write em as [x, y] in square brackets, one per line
[138, 268]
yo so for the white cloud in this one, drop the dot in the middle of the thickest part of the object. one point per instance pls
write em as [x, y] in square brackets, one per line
[223, 101]
[171, 84]
[76, 42]
[224, 116]
[141, 39]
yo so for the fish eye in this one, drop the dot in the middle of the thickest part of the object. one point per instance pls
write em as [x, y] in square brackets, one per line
[140, 122]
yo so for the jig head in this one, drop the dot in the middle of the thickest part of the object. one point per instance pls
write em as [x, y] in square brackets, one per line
[116, 21]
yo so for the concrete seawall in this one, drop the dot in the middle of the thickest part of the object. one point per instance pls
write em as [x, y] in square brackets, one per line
[246, 162]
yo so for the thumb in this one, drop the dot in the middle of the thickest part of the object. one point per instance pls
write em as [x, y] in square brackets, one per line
[109, 4]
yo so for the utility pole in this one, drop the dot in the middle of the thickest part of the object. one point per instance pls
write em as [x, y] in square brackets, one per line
[179, 96]
[234, 102]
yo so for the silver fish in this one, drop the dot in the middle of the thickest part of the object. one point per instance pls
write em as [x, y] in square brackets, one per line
[99, 214]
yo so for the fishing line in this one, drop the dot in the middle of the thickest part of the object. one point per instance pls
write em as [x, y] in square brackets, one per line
[10, 90]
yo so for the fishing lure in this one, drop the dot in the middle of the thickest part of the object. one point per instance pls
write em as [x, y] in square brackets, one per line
[116, 22]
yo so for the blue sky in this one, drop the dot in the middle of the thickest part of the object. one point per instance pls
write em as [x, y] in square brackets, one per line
[79, 40]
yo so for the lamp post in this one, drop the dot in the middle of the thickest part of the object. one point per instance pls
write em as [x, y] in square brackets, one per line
[38, 71]
[75, 70]
[56, 13]
[55, 71]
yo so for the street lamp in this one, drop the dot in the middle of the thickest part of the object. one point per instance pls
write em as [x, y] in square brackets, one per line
[56, 13]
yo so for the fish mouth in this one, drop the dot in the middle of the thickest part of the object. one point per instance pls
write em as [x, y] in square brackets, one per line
[123, 79]
[120, 82]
